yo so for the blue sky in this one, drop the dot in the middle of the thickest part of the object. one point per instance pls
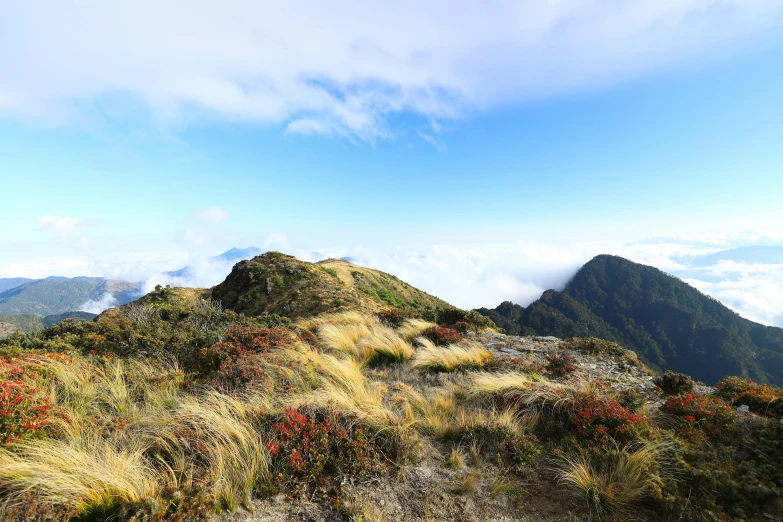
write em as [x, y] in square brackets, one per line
[383, 130]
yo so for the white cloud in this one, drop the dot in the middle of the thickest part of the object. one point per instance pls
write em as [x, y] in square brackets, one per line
[345, 67]
[97, 306]
[64, 225]
[213, 215]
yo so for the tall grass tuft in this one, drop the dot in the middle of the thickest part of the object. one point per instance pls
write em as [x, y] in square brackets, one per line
[451, 358]
[615, 487]
[384, 344]
[413, 328]
[233, 455]
[83, 470]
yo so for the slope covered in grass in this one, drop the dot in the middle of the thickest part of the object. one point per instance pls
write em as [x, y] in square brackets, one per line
[174, 408]
[278, 284]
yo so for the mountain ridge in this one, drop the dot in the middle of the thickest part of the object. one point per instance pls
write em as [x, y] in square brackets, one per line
[670, 324]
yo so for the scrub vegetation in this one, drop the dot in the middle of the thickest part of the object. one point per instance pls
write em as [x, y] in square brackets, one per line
[176, 408]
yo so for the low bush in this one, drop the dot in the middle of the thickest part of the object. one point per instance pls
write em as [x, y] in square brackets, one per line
[560, 365]
[732, 475]
[31, 508]
[692, 408]
[187, 504]
[598, 417]
[396, 316]
[595, 346]
[25, 411]
[673, 383]
[308, 445]
[442, 336]
[760, 398]
[239, 342]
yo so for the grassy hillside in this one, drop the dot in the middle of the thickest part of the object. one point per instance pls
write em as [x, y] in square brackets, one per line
[670, 324]
[57, 295]
[274, 283]
[174, 408]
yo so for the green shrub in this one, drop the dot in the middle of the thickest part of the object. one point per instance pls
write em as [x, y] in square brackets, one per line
[673, 383]
[595, 346]
[734, 475]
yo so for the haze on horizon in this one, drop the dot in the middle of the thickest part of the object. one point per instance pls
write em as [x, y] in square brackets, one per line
[480, 154]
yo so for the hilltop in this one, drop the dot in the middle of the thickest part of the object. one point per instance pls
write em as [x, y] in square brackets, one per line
[670, 324]
[7, 283]
[275, 283]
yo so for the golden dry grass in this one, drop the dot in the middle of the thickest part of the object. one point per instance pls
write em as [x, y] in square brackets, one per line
[340, 318]
[413, 328]
[528, 392]
[345, 389]
[232, 451]
[362, 337]
[615, 487]
[499, 383]
[450, 358]
[126, 387]
[384, 344]
[82, 470]
[343, 337]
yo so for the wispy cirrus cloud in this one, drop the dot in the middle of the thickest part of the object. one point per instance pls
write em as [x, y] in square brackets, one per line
[345, 68]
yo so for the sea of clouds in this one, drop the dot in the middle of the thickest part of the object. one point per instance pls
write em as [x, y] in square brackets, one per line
[486, 274]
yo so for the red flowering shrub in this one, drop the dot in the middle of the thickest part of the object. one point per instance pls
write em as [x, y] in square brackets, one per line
[597, 417]
[590, 417]
[396, 316]
[560, 365]
[306, 337]
[692, 408]
[308, 445]
[240, 342]
[442, 336]
[24, 411]
[760, 398]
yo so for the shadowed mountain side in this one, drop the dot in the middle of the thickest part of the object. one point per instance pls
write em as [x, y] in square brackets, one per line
[670, 324]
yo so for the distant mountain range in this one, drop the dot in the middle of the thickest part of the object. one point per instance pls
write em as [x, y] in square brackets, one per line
[55, 295]
[746, 254]
[670, 324]
[12, 282]
[27, 323]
